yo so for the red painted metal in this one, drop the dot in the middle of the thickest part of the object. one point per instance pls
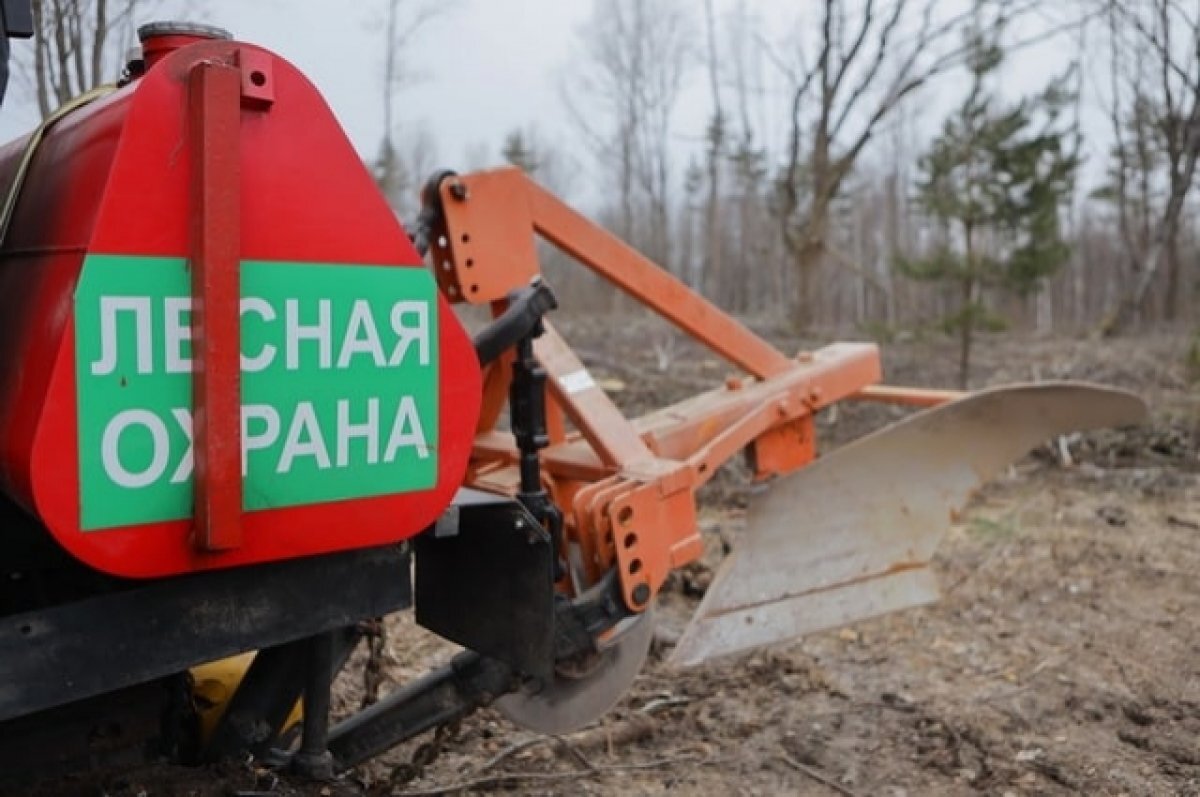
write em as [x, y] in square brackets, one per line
[214, 116]
[114, 178]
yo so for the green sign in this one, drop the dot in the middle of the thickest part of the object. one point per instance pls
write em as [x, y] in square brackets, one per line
[339, 385]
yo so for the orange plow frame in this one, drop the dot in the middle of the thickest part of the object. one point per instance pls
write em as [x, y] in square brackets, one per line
[627, 488]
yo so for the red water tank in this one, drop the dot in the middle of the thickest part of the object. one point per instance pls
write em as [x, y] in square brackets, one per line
[359, 388]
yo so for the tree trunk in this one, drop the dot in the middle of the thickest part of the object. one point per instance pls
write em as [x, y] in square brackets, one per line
[966, 318]
[710, 279]
[965, 333]
[806, 246]
[1133, 299]
[1167, 234]
[807, 257]
[40, 64]
[1173, 298]
[101, 35]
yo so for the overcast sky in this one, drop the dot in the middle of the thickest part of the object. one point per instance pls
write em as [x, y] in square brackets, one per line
[489, 66]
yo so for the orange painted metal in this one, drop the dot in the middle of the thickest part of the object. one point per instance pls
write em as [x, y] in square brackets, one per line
[556, 420]
[654, 531]
[496, 379]
[828, 375]
[611, 436]
[627, 488]
[782, 449]
[490, 217]
[678, 431]
[487, 248]
[911, 396]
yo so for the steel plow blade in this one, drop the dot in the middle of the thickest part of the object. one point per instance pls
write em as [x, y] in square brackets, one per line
[576, 696]
[851, 536]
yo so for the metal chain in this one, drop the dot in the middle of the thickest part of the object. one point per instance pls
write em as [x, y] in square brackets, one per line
[424, 755]
[373, 676]
[376, 633]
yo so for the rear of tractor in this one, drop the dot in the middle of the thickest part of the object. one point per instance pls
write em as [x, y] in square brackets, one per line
[239, 416]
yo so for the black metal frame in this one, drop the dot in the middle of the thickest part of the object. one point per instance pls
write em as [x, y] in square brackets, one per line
[69, 652]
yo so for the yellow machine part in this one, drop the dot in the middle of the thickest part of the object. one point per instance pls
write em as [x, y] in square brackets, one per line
[213, 686]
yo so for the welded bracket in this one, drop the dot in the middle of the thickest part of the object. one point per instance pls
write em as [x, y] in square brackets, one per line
[214, 116]
[218, 89]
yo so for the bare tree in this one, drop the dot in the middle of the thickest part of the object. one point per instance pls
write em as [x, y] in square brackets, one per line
[78, 44]
[403, 21]
[716, 134]
[870, 55]
[1155, 114]
[635, 56]
[754, 276]
[860, 74]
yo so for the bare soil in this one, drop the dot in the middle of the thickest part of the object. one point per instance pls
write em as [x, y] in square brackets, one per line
[1063, 659]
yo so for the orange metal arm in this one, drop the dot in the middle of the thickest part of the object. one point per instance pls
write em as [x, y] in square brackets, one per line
[912, 396]
[627, 488]
[612, 437]
[655, 287]
[490, 248]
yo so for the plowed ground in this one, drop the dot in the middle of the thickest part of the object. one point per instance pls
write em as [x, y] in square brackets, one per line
[1064, 658]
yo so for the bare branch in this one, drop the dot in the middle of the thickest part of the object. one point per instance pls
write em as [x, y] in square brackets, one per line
[872, 71]
[1154, 40]
[777, 61]
[826, 47]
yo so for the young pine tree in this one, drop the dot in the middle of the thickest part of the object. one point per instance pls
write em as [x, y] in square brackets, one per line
[995, 179]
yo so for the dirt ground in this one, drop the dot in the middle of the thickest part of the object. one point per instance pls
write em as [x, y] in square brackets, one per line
[1063, 659]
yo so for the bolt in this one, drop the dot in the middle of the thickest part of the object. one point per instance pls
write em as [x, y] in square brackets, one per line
[641, 594]
[458, 191]
[519, 524]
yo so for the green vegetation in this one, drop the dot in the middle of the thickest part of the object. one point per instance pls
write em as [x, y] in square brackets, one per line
[995, 179]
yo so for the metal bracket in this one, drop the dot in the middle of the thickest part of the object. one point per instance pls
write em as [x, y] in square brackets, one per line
[214, 116]
[489, 587]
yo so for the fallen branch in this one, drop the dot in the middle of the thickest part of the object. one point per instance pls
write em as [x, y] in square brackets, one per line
[824, 780]
[585, 770]
[660, 703]
[637, 728]
[513, 749]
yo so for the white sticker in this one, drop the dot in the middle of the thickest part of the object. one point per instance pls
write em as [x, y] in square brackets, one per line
[576, 382]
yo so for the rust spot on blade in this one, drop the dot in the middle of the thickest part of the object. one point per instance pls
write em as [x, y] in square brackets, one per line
[899, 567]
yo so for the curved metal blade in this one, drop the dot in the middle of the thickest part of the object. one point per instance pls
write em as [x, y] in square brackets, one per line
[568, 703]
[850, 536]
